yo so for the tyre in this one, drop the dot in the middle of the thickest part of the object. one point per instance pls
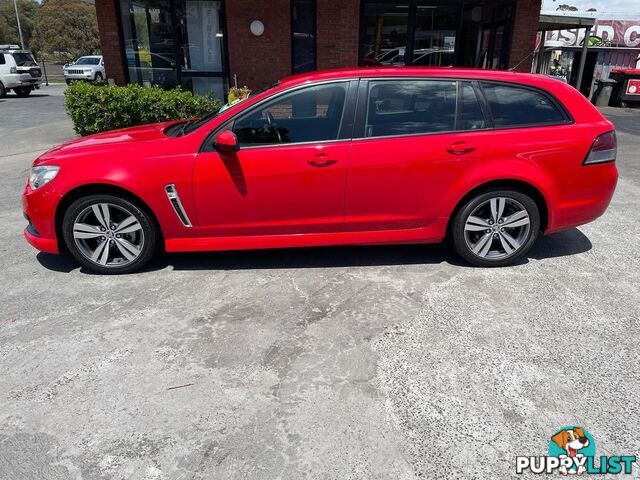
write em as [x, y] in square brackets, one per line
[3, 91]
[98, 77]
[109, 234]
[22, 91]
[68, 82]
[496, 227]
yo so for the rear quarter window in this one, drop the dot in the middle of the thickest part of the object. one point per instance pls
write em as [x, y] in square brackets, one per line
[514, 106]
[2, 60]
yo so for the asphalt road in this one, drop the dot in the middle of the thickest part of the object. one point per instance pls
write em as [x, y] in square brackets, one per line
[327, 363]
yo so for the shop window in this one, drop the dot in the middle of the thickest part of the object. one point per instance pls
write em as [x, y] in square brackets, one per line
[312, 114]
[303, 35]
[515, 106]
[171, 43]
[384, 33]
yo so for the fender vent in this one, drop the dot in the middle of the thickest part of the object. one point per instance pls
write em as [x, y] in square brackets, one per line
[174, 198]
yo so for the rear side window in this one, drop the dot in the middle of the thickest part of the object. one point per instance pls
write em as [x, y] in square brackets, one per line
[513, 106]
[404, 107]
[469, 114]
[2, 60]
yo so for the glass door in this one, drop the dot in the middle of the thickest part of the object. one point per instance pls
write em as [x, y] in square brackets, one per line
[384, 33]
[200, 46]
[435, 33]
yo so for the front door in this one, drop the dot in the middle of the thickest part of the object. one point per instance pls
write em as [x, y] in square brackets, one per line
[288, 176]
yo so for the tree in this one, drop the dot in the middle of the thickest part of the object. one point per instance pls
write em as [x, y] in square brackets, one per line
[66, 29]
[592, 9]
[28, 10]
[567, 8]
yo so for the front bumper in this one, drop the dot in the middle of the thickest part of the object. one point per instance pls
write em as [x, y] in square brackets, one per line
[79, 76]
[39, 207]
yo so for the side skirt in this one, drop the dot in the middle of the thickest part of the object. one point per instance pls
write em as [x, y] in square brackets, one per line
[432, 234]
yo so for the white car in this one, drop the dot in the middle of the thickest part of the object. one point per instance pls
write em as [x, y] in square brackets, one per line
[89, 68]
[18, 71]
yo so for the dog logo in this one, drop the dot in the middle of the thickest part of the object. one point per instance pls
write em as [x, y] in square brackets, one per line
[572, 451]
[574, 443]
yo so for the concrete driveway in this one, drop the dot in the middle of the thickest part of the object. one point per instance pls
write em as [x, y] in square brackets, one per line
[329, 363]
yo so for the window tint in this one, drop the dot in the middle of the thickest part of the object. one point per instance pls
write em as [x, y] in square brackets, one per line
[2, 60]
[402, 107]
[470, 114]
[311, 114]
[512, 106]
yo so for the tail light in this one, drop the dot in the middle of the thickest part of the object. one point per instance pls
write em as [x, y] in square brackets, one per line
[603, 149]
[13, 70]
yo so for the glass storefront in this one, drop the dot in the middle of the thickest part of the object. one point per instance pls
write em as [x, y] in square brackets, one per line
[175, 42]
[435, 33]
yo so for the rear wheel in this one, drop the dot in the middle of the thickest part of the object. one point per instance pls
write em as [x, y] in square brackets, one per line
[496, 228]
[3, 91]
[109, 234]
[22, 91]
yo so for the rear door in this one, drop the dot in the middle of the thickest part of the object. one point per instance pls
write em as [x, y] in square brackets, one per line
[415, 137]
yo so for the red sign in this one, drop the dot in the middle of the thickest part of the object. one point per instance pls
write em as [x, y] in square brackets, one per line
[614, 33]
[633, 87]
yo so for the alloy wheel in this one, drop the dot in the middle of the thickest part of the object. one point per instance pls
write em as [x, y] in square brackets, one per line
[108, 235]
[497, 228]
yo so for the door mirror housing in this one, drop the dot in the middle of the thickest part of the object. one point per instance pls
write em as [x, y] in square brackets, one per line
[226, 141]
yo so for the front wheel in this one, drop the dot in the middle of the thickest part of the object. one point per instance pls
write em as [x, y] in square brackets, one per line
[496, 228]
[109, 234]
[22, 91]
[98, 77]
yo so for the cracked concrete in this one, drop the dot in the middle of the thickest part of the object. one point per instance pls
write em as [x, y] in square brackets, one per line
[332, 363]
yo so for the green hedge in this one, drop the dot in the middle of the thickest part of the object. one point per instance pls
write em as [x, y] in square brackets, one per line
[96, 108]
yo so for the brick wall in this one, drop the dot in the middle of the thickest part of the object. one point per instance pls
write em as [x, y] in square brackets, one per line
[259, 61]
[525, 29]
[338, 30]
[110, 42]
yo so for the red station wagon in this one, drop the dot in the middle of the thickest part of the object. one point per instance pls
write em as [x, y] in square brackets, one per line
[487, 159]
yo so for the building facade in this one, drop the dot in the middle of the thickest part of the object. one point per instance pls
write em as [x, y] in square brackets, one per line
[204, 45]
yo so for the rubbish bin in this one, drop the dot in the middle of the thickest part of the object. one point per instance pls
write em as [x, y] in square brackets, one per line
[627, 89]
[602, 95]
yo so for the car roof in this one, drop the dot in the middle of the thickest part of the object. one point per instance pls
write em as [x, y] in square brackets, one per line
[378, 72]
[90, 56]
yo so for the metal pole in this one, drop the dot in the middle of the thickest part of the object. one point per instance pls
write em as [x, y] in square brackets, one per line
[15, 4]
[44, 67]
[543, 35]
[583, 57]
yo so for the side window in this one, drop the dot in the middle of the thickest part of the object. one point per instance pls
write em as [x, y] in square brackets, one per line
[312, 114]
[403, 107]
[469, 114]
[514, 106]
[2, 60]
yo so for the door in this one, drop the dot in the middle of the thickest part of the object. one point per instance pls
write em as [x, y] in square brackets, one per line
[417, 136]
[288, 176]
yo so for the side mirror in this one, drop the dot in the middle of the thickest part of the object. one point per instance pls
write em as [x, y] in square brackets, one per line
[226, 141]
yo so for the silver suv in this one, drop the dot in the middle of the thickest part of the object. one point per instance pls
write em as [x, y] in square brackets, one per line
[18, 71]
[89, 68]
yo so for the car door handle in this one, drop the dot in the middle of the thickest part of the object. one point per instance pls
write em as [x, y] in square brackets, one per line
[321, 163]
[460, 149]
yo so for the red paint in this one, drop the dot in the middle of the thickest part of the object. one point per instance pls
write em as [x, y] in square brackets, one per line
[378, 190]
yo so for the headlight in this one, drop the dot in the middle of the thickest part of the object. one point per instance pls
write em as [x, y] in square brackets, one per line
[42, 175]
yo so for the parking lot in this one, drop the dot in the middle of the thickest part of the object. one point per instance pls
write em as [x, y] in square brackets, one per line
[395, 362]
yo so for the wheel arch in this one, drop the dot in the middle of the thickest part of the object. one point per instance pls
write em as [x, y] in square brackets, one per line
[522, 186]
[100, 188]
